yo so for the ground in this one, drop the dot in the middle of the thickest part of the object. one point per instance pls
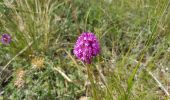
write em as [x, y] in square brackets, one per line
[39, 62]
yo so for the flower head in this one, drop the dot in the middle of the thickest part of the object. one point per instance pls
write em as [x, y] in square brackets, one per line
[38, 62]
[19, 81]
[86, 47]
[6, 39]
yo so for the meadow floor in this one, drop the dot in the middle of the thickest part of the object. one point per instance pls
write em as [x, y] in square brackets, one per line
[38, 62]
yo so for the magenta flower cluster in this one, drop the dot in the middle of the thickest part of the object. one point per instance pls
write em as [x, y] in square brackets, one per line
[6, 39]
[86, 47]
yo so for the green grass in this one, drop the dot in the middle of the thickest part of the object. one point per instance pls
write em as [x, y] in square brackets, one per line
[134, 38]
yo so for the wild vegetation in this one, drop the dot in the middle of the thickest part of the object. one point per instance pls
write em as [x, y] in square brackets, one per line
[38, 63]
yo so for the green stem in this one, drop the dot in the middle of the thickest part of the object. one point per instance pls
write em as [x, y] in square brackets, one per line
[90, 77]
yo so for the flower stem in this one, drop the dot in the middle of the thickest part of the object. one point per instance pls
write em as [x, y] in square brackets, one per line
[90, 77]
